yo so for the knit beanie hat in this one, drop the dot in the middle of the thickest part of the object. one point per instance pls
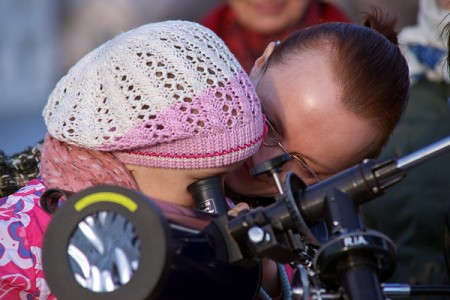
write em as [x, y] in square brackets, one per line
[167, 95]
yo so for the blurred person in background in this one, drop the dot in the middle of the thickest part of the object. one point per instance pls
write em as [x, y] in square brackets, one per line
[412, 213]
[247, 26]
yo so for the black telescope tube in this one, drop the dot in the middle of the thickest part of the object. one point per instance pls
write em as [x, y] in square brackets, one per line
[361, 183]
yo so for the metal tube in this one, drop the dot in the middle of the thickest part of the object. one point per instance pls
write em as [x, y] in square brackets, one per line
[396, 290]
[417, 157]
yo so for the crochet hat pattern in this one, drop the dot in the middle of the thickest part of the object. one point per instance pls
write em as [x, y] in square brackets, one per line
[167, 94]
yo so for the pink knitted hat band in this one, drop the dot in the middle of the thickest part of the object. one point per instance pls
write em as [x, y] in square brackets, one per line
[192, 153]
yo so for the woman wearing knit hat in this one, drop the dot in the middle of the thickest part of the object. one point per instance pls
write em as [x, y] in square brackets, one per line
[154, 110]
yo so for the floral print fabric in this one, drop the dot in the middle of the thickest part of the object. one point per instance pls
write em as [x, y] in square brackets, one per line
[22, 226]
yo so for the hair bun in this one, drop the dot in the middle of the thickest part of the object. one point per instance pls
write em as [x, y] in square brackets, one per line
[382, 22]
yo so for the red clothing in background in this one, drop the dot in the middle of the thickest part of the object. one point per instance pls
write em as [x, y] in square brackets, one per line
[247, 46]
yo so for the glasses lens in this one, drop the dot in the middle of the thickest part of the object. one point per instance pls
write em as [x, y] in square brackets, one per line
[305, 168]
[272, 138]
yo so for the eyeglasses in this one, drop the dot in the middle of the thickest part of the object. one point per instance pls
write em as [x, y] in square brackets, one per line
[273, 139]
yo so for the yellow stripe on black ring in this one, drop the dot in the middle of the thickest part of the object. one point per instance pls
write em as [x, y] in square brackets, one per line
[106, 197]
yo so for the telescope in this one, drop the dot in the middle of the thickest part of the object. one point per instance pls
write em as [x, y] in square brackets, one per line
[109, 242]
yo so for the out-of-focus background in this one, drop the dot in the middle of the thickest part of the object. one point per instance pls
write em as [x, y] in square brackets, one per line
[41, 39]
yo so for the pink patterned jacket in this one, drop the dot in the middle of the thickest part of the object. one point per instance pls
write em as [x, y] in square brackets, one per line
[22, 226]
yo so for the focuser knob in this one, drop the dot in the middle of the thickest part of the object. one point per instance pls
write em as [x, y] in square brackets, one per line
[272, 167]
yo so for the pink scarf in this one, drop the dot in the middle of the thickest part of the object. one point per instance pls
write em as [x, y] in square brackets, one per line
[73, 169]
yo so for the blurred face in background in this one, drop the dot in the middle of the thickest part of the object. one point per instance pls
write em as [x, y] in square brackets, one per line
[445, 4]
[268, 16]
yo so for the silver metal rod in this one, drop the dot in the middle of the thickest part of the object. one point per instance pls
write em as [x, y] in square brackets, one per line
[278, 182]
[396, 290]
[409, 161]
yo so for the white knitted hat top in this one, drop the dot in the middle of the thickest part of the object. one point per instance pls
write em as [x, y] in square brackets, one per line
[166, 94]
